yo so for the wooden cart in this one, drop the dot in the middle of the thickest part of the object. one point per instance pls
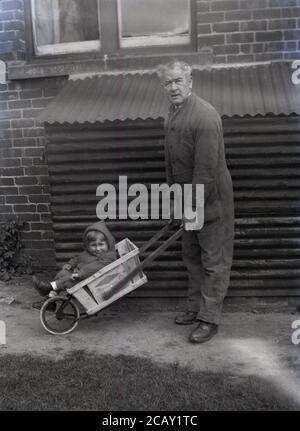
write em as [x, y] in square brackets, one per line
[60, 314]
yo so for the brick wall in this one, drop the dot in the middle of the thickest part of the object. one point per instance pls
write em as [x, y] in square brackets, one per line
[24, 189]
[12, 34]
[24, 181]
[249, 30]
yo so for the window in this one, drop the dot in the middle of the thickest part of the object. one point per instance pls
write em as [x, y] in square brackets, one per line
[65, 26]
[74, 26]
[153, 22]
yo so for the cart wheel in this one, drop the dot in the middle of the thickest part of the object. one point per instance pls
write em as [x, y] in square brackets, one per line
[59, 315]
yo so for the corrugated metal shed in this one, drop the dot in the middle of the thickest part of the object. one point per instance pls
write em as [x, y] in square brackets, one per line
[90, 143]
[251, 90]
[263, 156]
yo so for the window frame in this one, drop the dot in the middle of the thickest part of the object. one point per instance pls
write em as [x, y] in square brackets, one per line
[66, 47]
[157, 41]
[110, 39]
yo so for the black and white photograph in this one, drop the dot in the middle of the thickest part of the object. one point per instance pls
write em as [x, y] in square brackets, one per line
[149, 209]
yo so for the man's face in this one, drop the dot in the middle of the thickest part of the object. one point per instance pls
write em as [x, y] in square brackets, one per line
[177, 85]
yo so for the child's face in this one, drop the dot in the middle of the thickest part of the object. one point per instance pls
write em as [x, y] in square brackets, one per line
[98, 245]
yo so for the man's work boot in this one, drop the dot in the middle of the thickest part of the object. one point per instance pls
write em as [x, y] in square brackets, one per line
[43, 288]
[186, 318]
[203, 332]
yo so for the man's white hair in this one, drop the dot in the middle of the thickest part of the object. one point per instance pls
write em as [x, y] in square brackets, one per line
[164, 68]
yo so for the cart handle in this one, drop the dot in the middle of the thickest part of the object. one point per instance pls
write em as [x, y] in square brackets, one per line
[157, 236]
[108, 294]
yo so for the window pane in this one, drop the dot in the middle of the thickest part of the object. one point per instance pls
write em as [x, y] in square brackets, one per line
[162, 18]
[65, 21]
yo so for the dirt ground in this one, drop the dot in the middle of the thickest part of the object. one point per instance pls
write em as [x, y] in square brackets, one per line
[254, 343]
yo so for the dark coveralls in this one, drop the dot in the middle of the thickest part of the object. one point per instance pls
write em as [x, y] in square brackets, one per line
[195, 155]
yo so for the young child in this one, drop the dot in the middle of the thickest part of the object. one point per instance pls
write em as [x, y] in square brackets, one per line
[99, 251]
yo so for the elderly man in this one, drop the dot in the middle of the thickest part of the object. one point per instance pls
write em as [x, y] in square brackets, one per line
[195, 155]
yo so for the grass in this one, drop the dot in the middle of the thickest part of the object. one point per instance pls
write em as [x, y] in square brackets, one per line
[124, 383]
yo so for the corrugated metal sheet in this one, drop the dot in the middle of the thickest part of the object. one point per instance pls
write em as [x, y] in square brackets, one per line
[263, 155]
[252, 90]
